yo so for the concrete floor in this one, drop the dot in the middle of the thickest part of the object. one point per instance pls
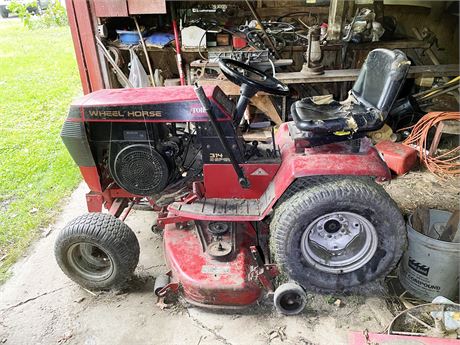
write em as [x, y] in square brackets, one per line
[40, 305]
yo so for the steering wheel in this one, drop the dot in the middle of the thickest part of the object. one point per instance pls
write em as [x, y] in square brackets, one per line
[241, 73]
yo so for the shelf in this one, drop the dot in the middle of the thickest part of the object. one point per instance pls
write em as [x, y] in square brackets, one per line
[397, 44]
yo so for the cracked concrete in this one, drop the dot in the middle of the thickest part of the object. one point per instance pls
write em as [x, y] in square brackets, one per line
[40, 305]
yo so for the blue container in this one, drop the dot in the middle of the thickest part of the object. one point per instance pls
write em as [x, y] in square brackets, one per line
[128, 37]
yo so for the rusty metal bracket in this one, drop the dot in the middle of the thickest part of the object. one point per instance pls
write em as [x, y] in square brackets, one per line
[174, 287]
[94, 202]
[265, 273]
[117, 207]
[170, 286]
[170, 219]
[190, 198]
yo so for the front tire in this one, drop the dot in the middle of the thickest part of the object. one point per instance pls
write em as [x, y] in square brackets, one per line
[338, 236]
[97, 251]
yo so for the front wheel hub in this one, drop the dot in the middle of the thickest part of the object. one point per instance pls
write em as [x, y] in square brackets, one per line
[90, 261]
[339, 242]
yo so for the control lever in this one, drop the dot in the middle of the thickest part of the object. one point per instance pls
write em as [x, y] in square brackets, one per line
[244, 182]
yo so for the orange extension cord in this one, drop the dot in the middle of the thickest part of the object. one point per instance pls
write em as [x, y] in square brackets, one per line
[447, 163]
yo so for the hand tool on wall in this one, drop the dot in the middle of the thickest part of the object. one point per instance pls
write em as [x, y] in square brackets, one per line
[115, 67]
[145, 52]
[177, 43]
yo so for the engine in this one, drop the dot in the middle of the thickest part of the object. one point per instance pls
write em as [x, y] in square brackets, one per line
[147, 141]
[144, 158]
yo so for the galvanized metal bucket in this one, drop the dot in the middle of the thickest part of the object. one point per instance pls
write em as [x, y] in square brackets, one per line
[430, 267]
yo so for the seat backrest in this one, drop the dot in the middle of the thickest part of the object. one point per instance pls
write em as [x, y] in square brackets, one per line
[382, 76]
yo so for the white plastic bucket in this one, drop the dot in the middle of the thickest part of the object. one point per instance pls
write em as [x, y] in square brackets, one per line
[430, 267]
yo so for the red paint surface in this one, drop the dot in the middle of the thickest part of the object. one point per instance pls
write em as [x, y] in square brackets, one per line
[94, 202]
[91, 177]
[400, 158]
[178, 55]
[111, 8]
[333, 159]
[140, 96]
[202, 216]
[238, 42]
[221, 181]
[228, 286]
[84, 26]
[72, 16]
[358, 338]
[146, 6]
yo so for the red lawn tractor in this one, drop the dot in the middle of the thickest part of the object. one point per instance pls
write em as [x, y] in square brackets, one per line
[235, 215]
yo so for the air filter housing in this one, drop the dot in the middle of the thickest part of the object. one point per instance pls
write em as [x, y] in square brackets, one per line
[140, 170]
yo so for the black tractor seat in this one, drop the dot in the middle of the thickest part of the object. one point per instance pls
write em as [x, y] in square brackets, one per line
[374, 92]
[334, 117]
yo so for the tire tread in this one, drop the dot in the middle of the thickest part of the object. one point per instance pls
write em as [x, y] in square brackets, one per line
[110, 233]
[305, 194]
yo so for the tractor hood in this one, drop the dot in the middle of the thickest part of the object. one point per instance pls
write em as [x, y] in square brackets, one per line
[157, 104]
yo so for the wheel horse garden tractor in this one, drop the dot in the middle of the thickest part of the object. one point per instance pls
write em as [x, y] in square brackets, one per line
[235, 215]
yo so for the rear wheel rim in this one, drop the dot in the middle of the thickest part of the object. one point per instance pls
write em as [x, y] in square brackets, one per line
[90, 261]
[339, 242]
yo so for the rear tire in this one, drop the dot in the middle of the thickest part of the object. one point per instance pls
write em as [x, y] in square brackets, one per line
[97, 251]
[338, 236]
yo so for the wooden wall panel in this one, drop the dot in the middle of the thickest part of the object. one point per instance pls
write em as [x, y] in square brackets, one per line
[111, 8]
[84, 26]
[78, 48]
[146, 6]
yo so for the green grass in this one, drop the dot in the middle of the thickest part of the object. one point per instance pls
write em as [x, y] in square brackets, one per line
[38, 80]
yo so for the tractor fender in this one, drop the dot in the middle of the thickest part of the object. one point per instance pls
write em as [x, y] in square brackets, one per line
[327, 160]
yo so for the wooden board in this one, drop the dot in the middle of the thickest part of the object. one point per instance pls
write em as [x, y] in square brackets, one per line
[281, 11]
[147, 6]
[78, 48]
[330, 76]
[83, 22]
[352, 74]
[264, 104]
[110, 8]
